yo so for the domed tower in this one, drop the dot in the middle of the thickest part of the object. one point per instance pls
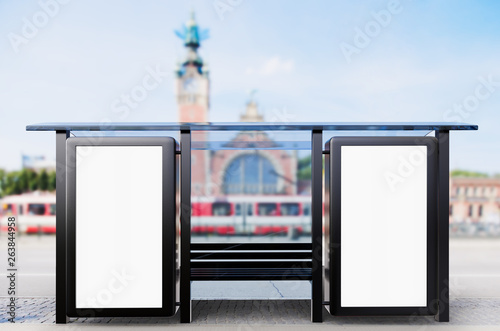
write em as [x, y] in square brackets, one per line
[192, 93]
[192, 82]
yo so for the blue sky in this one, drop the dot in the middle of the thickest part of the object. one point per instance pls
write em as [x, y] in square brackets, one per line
[426, 57]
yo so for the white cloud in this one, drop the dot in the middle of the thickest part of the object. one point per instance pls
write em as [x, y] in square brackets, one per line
[274, 65]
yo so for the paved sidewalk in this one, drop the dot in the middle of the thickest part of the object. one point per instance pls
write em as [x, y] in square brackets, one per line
[464, 312]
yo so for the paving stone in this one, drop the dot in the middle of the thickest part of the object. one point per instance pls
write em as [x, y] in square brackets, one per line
[245, 314]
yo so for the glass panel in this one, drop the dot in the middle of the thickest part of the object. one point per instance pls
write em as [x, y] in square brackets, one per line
[7, 209]
[251, 172]
[221, 209]
[307, 209]
[239, 126]
[36, 209]
[52, 209]
[251, 186]
[233, 177]
[267, 209]
[289, 209]
[249, 209]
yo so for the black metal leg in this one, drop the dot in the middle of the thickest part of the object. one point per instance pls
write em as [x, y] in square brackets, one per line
[443, 314]
[317, 226]
[185, 286]
[61, 280]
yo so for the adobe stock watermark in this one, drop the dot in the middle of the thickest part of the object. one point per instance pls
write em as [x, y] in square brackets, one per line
[482, 92]
[406, 168]
[116, 284]
[121, 107]
[454, 289]
[372, 29]
[279, 117]
[124, 104]
[39, 20]
[222, 7]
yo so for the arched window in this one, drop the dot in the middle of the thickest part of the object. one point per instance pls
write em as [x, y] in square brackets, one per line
[250, 174]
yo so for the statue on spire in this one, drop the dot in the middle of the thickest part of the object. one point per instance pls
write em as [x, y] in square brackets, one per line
[191, 34]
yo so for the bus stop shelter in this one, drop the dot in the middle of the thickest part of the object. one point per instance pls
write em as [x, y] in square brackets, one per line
[402, 269]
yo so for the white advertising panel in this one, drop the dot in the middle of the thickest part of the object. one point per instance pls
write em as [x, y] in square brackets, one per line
[118, 227]
[383, 226]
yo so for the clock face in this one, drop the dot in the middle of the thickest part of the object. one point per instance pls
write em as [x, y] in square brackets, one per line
[191, 85]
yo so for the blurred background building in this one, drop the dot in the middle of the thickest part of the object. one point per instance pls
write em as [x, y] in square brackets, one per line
[474, 200]
[243, 169]
[239, 178]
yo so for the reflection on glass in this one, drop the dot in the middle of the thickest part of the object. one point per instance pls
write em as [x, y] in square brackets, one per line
[289, 209]
[36, 209]
[268, 209]
[52, 209]
[250, 187]
[221, 209]
[251, 174]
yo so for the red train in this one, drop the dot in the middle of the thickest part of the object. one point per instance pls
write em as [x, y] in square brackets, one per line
[251, 215]
[34, 212]
[223, 216]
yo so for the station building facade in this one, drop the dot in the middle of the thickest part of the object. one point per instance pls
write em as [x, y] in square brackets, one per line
[238, 168]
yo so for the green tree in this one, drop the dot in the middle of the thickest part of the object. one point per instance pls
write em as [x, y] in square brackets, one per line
[13, 183]
[43, 180]
[52, 181]
[32, 181]
[2, 182]
[22, 179]
[28, 180]
[304, 168]
[466, 173]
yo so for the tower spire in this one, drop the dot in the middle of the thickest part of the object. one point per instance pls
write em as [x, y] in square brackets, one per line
[192, 37]
[252, 112]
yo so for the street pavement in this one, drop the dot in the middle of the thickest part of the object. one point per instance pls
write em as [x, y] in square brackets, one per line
[474, 294]
[474, 272]
[465, 313]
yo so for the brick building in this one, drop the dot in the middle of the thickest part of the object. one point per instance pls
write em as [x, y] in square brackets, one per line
[474, 200]
[236, 166]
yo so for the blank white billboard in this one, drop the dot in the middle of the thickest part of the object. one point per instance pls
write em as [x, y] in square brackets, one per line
[383, 226]
[119, 227]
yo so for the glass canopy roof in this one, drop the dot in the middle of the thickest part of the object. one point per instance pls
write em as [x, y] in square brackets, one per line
[239, 126]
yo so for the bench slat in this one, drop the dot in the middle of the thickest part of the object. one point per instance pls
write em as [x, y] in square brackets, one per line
[251, 274]
[251, 264]
[251, 261]
[250, 246]
[249, 255]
